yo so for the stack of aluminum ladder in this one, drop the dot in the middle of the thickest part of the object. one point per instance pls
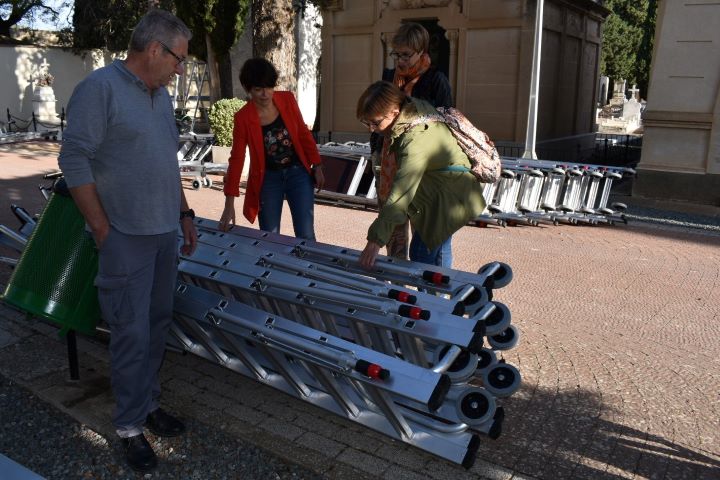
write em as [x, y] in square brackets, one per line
[192, 156]
[528, 192]
[406, 349]
[14, 137]
[355, 157]
[540, 191]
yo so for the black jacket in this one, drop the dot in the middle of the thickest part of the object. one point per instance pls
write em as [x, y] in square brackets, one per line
[432, 86]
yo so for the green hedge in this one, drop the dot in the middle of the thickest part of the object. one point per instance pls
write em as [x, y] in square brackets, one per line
[221, 119]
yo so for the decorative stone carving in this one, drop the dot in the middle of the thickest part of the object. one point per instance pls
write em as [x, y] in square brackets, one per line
[452, 36]
[574, 22]
[44, 103]
[332, 5]
[406, 4]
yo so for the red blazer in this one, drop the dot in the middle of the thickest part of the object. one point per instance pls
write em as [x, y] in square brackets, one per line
[248, 132]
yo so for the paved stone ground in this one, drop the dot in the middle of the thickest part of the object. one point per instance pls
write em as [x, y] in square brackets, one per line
[619, 356]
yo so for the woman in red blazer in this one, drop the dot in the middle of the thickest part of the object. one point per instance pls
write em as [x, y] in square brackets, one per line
[283, 156]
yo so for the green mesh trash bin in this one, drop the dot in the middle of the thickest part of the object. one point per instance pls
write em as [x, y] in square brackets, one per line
[54, 276]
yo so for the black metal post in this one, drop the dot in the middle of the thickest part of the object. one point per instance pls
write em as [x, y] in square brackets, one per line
[73, 355]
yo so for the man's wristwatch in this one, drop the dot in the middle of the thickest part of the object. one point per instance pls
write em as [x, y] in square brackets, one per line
[187, 214]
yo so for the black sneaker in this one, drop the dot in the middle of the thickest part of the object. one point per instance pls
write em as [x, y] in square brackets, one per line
[139, 454]
[163, 424]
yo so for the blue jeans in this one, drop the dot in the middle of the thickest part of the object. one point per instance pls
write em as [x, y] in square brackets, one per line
[440, 256]
[294, 184]
[136, 286]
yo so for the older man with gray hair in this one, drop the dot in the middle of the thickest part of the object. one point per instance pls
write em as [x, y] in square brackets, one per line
[119, 160]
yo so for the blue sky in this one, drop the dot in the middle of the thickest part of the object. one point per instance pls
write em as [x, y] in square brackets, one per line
[65, 19]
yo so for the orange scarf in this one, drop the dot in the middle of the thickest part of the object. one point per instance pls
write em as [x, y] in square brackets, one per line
[388, 166]
[407, 80]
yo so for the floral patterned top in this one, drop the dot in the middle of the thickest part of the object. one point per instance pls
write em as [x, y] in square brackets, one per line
[279, 150]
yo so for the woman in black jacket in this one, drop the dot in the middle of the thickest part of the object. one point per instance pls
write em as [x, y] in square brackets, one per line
[413, 72]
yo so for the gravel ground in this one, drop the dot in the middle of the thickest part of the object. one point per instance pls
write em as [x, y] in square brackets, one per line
[54, 445]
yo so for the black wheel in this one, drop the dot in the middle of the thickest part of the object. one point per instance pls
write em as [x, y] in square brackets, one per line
[462, 368]
[207, 182]
[476, 299]
[506, 339]
[486, 359]
[475, 406]
[498, 319]
[502, 380]
[534, 172]
[196, 184]
[499, 274]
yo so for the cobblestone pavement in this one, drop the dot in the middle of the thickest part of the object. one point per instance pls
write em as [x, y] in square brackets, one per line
[619, 356]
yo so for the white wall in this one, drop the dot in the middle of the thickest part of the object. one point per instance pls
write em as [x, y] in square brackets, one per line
[19, 65]
[309, 48]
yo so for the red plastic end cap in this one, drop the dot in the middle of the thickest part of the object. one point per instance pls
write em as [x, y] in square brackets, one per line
[416, 313]
[372, 370]
[435, 277]
[403, 297]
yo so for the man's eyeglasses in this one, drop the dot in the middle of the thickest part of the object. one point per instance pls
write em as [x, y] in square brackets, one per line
[180, 60]
[373, 123]
[402, 56]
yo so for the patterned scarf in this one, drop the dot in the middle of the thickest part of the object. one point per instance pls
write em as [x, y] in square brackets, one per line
[388, 169]
[407, 80]
[388, 166]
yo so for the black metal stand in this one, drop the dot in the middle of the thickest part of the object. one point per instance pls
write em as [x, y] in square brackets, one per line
[73, 355]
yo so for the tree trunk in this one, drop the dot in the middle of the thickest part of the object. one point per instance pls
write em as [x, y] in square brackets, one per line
[5, 29]
[213, 73]
[225, 72]
[274, 38]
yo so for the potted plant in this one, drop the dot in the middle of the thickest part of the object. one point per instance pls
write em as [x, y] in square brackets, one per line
[44, 80]
[220, 117]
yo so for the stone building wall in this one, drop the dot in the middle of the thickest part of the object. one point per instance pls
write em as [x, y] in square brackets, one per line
[489, 61]
[681, 145]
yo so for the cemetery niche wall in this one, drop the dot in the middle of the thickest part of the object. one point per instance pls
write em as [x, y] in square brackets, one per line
[488, 47]
[681, 142]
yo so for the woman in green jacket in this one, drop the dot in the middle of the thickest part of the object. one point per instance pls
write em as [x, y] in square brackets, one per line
[430, 188]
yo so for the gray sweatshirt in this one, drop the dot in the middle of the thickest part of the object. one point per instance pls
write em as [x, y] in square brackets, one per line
[123, 138]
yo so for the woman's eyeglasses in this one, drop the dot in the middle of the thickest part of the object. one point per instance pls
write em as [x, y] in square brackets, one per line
[402, 56]
[373, 123]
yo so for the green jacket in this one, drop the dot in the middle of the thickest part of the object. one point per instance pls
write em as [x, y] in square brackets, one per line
[438, 203]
